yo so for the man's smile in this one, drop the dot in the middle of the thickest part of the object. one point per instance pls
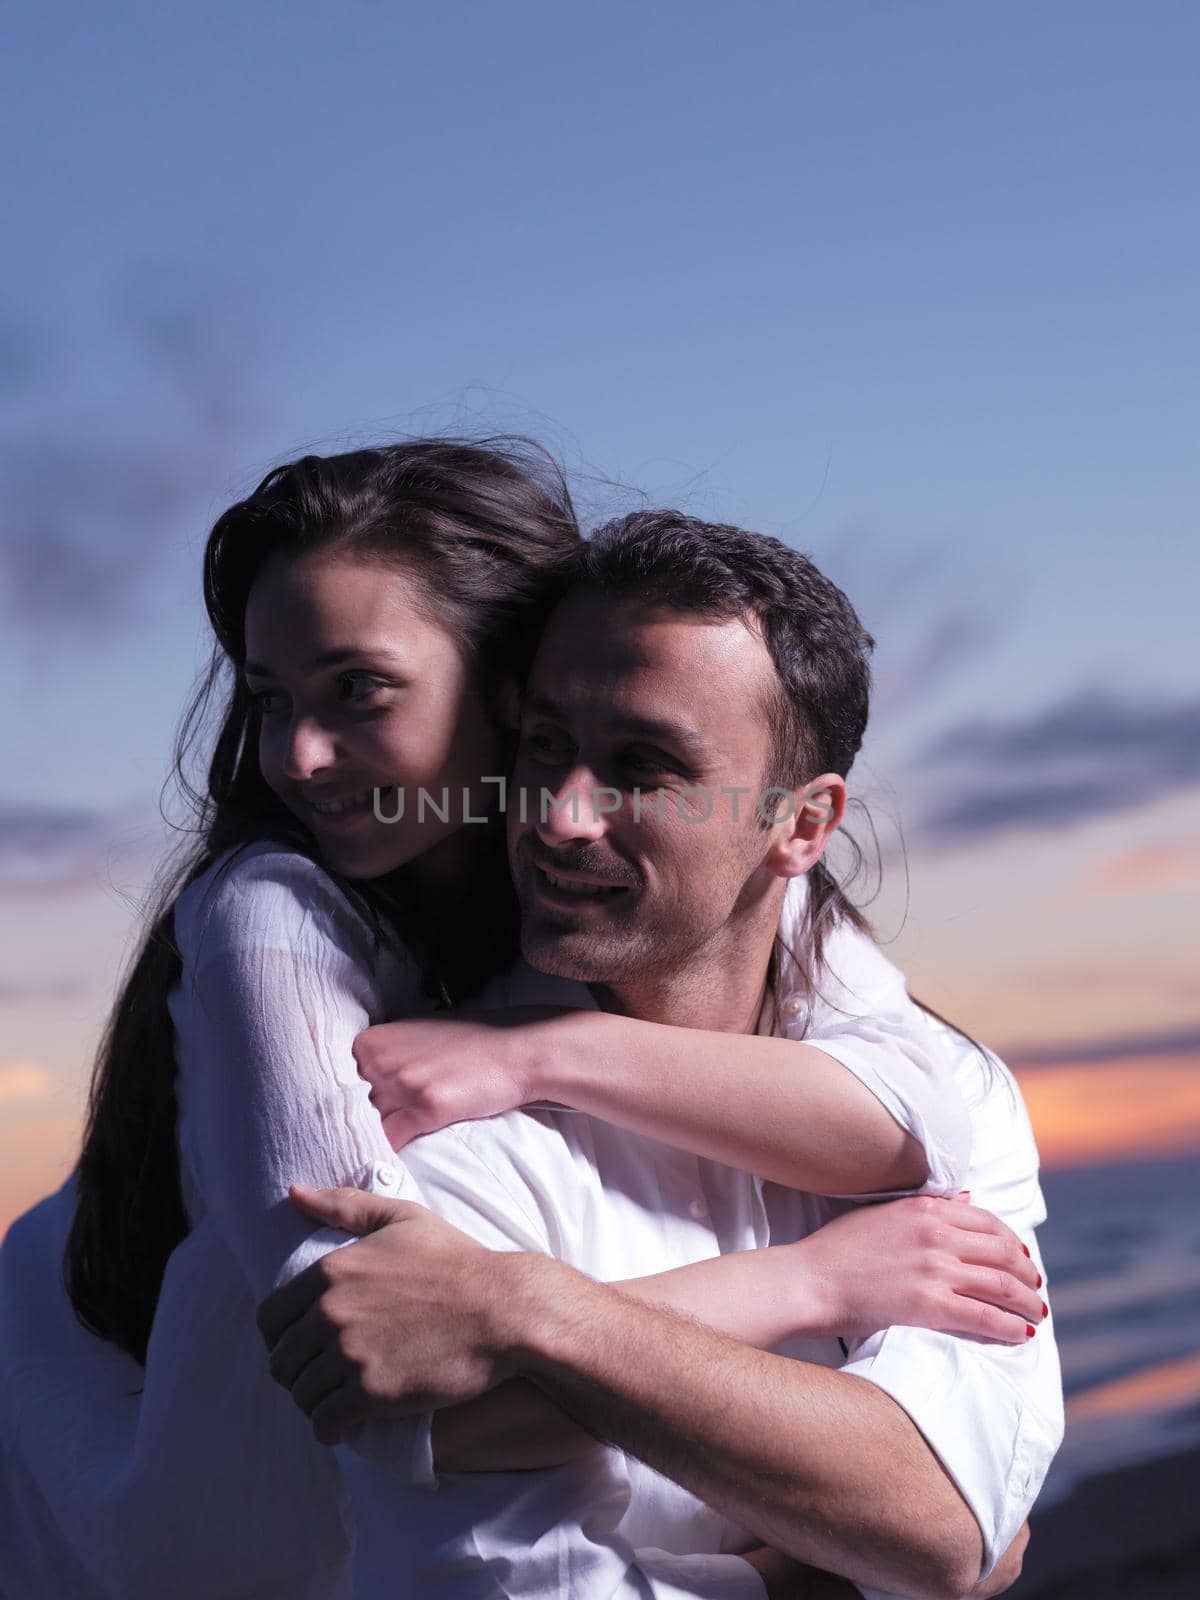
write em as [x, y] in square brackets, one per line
[572, 889]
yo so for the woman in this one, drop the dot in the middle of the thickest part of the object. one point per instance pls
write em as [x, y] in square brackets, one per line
[378, 610]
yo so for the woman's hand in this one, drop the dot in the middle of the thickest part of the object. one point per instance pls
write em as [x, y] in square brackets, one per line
[427, 1072]
[923, 1262]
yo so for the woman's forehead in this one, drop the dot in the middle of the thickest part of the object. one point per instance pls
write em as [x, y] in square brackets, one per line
[321, 604]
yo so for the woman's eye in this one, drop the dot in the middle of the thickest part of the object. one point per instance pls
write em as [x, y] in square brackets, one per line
[267, 701]
[358, 685]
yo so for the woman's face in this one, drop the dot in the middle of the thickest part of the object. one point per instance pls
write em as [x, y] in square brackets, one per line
[358, 690]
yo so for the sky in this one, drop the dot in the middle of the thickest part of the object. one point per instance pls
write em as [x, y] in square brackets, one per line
[911, 287]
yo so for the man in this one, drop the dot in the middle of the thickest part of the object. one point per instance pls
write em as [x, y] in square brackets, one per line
[691, 661]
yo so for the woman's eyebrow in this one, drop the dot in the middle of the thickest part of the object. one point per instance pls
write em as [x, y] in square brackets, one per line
[328, 658]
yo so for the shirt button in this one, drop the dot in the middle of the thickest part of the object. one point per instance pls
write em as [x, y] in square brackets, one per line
[698, 1209]
[385, 1175]
[793, 1006]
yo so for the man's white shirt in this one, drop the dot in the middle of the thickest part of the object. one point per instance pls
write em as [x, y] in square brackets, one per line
[121, 1492]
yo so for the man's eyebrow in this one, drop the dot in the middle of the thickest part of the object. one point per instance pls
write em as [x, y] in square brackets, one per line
[688, 739]
[328, 658]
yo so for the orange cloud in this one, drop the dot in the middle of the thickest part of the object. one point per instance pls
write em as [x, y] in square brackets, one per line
[1156, 866]
[40, 1121]
[1160, 1388]
[24, 1083]
[1114, 1110]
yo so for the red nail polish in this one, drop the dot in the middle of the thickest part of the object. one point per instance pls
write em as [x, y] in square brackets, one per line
[1029, 1330]
[1025, 1247]
[1038, 1284]
[1045, 1309]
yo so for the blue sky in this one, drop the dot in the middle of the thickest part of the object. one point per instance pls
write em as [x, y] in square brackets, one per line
[910, 285]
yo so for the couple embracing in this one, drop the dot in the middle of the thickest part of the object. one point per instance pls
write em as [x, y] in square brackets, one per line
[511, 1167]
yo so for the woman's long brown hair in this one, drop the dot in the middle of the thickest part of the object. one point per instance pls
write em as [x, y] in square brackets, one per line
[489, 528]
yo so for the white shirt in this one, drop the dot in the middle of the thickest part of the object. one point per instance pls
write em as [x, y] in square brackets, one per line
[108, 1493]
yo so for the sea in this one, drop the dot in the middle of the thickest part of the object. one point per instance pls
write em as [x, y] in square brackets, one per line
[1122, 1252]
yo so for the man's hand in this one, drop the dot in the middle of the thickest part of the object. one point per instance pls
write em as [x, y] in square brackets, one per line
[425, 1073]
[410, 1318]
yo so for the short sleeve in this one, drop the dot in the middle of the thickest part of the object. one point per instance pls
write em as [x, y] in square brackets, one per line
[992, 1413]
[863, 1016]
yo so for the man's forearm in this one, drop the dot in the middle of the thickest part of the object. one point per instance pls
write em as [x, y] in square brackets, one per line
[817, 1463]
[753, 1296]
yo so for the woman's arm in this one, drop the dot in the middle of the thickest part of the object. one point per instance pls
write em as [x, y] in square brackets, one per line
[921, 1262]
[277, 980]
[279, 974]
[787, 1111]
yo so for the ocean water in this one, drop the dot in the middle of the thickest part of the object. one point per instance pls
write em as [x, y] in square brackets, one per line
[1122, 1252]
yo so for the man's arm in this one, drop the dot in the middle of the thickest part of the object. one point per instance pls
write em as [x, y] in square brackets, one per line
[912, 1261]
[818, 1464]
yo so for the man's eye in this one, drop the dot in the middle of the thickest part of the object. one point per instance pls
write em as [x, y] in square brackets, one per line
[647, 763]
[546, 747]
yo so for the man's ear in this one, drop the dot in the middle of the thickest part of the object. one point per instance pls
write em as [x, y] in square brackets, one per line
[802, 834]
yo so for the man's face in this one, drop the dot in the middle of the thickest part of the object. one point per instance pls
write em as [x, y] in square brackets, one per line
[635, 718]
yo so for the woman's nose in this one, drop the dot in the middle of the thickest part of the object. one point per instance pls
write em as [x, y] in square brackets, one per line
[309, 750]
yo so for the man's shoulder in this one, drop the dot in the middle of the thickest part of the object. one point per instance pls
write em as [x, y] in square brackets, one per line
[529, 1155]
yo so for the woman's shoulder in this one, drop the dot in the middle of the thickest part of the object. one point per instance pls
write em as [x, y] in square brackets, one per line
[264, 895]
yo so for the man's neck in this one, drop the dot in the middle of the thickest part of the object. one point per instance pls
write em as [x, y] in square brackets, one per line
[723, 997]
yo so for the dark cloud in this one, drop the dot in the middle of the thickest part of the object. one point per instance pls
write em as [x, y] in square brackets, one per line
[1090, 755]
[1088, 724]
[93, 502]
[15, 992]
[52, 850]
[1114, 1047]
[931, 612]
[941, 645]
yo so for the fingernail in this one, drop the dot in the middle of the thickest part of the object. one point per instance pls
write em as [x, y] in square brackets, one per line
[1038, 1284]
[1029, 1330]
[1025, 1247]
[1045, 1309]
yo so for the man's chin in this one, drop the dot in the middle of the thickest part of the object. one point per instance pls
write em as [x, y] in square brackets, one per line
[563, 953]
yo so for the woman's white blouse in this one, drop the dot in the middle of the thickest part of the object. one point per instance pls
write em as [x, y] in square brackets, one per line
[198, 1477]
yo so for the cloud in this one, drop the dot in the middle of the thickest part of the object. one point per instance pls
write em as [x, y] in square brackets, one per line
[18, 992]
[24, 1083]
[93, 498]
[1132, 1110]
[1087, 724]
[49, 850]
[1089, 755]
[1173, 866]
[1113, 1047]
[41, 842]
[910, 597]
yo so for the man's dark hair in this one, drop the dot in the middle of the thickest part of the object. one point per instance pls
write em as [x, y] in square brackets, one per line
[817, 708]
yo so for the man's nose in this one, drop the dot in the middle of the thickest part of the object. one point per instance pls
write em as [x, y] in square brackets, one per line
[577, 808]
[310, 749]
